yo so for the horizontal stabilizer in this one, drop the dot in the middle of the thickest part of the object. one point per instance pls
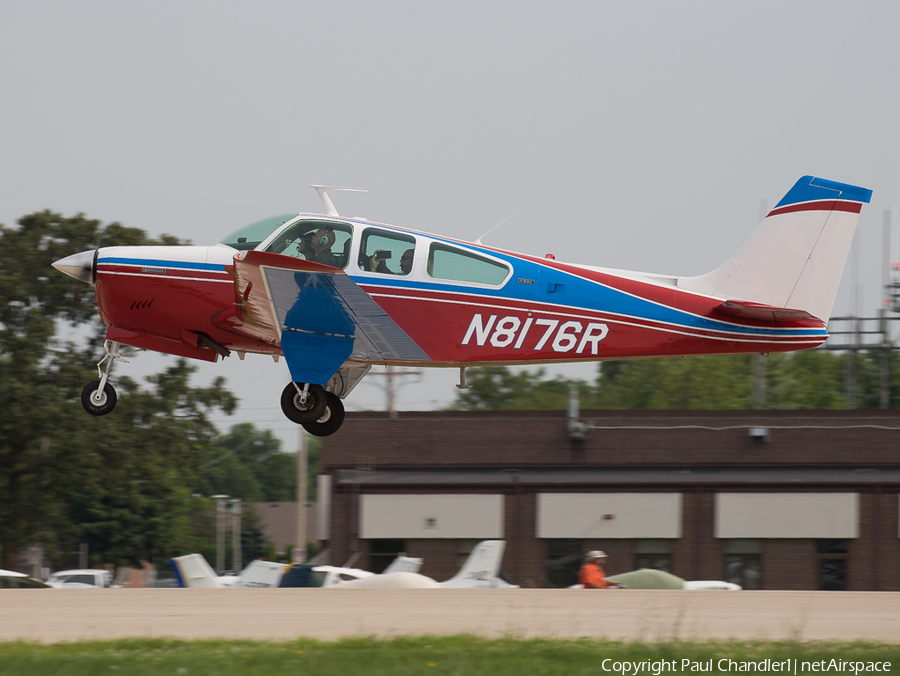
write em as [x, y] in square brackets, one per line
[765, 313]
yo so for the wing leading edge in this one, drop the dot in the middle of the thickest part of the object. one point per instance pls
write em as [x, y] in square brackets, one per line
[322, 316]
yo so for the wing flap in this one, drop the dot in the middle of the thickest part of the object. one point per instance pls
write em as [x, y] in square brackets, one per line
[321, 316]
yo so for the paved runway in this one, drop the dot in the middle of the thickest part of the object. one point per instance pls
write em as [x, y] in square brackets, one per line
[278, 614]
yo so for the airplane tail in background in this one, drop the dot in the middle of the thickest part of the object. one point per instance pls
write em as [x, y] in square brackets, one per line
[482, 569]
[404, 564]
[193, 571]
[796, 256]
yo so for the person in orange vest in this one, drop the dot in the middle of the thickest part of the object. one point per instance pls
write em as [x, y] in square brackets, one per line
[591, 575]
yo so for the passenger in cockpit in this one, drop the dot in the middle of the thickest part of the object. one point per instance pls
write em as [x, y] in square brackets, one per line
[377, 262]
[406, 261]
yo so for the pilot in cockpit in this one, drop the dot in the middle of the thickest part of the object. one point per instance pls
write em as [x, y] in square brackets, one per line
[316, 247]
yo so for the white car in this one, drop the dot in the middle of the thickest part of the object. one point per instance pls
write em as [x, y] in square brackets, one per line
[85, 578]
[10, 579]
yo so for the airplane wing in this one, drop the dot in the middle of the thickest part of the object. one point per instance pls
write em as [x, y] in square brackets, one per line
[318, 314]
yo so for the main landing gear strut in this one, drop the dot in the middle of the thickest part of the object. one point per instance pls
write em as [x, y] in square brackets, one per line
[99, 397]
[321, 413]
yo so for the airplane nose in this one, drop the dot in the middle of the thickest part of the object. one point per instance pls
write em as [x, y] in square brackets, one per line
[81, 266]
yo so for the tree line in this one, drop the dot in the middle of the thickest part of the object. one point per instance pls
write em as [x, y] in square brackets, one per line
[131, 485]
[812, 379]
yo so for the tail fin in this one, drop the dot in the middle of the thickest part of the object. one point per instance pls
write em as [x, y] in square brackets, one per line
[795, 257]
[481, 570]
[404, 564]
[192, 570]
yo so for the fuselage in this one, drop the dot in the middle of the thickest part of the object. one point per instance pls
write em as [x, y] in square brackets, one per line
[462, 303]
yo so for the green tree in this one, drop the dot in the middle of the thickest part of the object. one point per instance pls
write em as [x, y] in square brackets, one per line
[812, 379]
[721, 382]
[496, 388]
[249, 464]
[121, 483]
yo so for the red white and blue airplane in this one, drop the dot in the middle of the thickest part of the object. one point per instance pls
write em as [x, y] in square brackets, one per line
[336, 295]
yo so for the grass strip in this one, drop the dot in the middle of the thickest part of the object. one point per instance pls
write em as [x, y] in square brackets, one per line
[464, 655]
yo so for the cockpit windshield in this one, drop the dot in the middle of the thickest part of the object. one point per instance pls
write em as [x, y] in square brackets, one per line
[251, 236]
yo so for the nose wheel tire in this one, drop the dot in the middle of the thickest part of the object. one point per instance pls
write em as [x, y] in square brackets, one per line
[331, 420]
[299, 411]
[97, 401]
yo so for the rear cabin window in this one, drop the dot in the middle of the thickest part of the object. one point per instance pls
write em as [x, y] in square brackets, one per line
[458, 265]
[385, 252]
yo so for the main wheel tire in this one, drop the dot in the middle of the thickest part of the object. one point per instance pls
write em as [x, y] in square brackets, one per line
[96, 402]
[310, 411]
[331, 419]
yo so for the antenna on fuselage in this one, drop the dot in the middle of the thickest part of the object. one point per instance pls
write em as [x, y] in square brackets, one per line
[478, 241]
[326, 200]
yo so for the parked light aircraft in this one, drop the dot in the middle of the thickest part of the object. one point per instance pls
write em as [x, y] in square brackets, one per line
[336, 295]
[649, 578]
[192, 570]
[480, 571]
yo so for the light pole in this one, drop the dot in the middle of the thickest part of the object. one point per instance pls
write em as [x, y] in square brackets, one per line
[299, 553]
[220, 532]
[236, 553]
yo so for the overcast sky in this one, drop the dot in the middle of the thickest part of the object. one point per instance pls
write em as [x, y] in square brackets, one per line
[632, 135]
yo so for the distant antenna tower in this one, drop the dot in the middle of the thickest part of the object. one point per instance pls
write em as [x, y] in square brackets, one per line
[758, 394]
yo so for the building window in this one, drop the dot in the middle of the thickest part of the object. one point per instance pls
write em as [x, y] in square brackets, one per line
[832, 556]
[653, 553]
[743, 563]
[564, 559]
[382, 552]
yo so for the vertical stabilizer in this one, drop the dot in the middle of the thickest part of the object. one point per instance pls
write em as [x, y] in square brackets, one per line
[481, 570]
[796, 256]
[404, 564]
[195, 572]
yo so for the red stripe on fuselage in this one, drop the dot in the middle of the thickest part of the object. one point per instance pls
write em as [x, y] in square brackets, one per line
[438, 321]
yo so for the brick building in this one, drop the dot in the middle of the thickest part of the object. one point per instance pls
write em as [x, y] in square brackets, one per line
[767, 499]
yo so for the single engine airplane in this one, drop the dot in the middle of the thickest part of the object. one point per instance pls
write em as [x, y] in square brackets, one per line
[336, 295]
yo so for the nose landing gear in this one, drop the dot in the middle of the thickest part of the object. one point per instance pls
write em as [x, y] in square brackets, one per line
[99, 397]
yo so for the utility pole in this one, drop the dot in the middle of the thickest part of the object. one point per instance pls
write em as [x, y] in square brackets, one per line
[884, 399]
[237, 556]
[220, 532]
[758, 393]
[872, 334]
[390, 374]
[299, 553]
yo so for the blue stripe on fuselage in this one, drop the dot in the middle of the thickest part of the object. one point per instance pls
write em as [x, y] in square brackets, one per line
[155, 263]
[585, 294]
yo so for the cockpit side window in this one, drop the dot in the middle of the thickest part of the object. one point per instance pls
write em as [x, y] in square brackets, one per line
[459, 265]
[387, 253]
[325, 242]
